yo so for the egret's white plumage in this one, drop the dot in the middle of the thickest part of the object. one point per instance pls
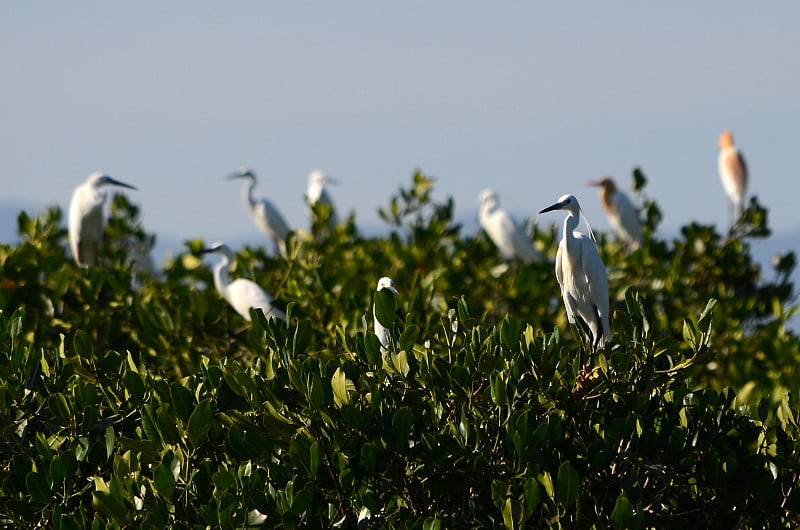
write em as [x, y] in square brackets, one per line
[265, 215]
[505, 233]
[581, 274]
[316, 193]
[622, 214]
[382, 331]
[241, 293]
[732, 172]
[86, 217]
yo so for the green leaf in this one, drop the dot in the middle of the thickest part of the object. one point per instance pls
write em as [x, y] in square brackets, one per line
[401, 425]
[315, 458]
[60, 408]
[108, 504]
[182, 401]
[38, 487]
[200, 423]
[568, 485]
[499, 389]
[82, 344]
[533, 496]
[224, 480]
[432, 523]
[339, 386]
[622, 516]
[409, 337]
[385, 307]
[508, 514]
[302, 337]
[164, 481]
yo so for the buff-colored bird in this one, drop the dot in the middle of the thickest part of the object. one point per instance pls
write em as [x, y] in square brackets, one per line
[622, 214]
[733, 173]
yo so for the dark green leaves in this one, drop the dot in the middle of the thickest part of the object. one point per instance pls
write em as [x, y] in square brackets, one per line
[200, 423]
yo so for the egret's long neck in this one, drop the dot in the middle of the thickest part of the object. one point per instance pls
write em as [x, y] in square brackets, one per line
[247, 193]
[221, 278]
[570, 224]
[605, 198]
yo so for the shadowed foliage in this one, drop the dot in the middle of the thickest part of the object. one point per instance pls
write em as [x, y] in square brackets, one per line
[132, 400]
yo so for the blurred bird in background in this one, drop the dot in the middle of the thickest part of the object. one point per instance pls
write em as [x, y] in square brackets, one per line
[241, 293]
[733, 173]
[622, 214]
[86, 221]
[510, 239]
[264, 214]
[317, 194]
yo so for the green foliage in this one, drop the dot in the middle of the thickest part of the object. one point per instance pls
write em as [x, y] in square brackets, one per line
[132, 400]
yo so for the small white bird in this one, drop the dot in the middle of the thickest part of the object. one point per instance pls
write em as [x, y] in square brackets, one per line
[733, 173]
[622, 214]
[86, 217]
[241, 293]
[382, 331]
[505, 233]
[265, 215]
[581, 274]
[316, 193]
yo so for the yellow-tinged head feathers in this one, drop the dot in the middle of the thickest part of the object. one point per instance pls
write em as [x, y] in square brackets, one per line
[606, 183]
[725, 139]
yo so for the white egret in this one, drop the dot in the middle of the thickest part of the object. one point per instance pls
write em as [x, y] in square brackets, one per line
[265, 215]
[241, 293]
[581, 274]
[382, 331]
[733, 173]
[86, 217]
[622, 214]
[505, 233]
[317, 194]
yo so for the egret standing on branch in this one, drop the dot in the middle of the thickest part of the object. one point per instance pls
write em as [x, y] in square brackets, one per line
[265, 215]
[581, 274]
[508, 237]
[241, 293]
[317, 194]
[86, 217]
[622, 214]
[381, 331]
[733, 173]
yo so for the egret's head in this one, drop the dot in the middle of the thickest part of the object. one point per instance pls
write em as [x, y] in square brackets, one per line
[565, 202]
[725, 139]
[607, 183]
[488, 197]
[218, 248]
[386, 283]
[243, 173]
[319, 178]
[98, 179]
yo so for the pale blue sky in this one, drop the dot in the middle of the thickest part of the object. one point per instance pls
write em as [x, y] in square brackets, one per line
[531, 99]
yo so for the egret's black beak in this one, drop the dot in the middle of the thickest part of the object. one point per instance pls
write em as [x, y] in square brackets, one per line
[557, 206]
[122, 184]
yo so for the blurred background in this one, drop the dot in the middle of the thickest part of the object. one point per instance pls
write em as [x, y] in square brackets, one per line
[530, 99]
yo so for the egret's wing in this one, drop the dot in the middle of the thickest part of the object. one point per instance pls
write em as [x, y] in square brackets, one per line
[569, 302]
[629, 221]
[274, 219]
[90, 235]
[523, 246]
[499, 226]
[243, 294]
[597, 281]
